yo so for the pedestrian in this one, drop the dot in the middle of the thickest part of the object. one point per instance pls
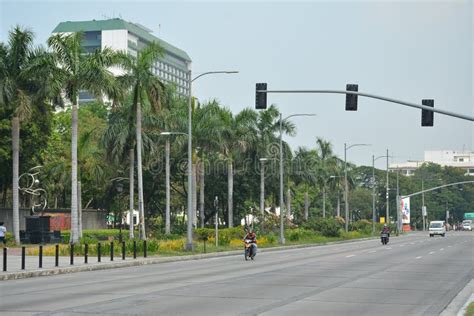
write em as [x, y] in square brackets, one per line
[3, 231]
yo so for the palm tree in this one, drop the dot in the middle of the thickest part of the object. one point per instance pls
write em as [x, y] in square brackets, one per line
[19, 92]
[146, 89]
[305, 172]
[78, 71]
[327, 163]
[236, 138]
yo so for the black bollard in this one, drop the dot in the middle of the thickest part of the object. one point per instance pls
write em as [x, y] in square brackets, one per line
[144, 248]
[23, 258]
[86, 252]
[40, 257]
[56, 256]
[5, 259]
[112, 251]
[134, 249]
[98, 252]
[123, 250]
[71, 254]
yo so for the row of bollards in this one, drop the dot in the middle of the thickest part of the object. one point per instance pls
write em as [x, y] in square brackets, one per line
[71, 254]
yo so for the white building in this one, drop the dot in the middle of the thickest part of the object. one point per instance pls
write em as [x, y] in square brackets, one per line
[446, 158]
[173, 67]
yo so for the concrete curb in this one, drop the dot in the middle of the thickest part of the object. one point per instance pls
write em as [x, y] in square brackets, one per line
[459, 304]
[154, 260]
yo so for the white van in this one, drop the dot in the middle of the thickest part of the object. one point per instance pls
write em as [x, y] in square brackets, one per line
[467, 224]
[437, 228]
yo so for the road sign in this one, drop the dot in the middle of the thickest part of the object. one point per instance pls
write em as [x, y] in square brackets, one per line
[468, 215]
[423, 211]
[382, 219]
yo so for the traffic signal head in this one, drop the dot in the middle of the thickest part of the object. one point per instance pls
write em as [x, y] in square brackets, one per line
[427, 117]
[351, 99]
[260, 97]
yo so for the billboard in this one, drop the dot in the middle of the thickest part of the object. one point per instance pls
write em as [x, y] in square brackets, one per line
[405, 207]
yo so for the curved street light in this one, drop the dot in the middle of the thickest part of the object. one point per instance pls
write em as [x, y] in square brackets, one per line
[189, 235]
[346, 193]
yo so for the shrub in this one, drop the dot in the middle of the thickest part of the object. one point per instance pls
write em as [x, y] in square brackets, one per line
[236, 243]
[172, 245]
[328, 227]
[296, 234]
[364, 226]
[350, 235]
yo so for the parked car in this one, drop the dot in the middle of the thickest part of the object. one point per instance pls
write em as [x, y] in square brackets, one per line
[437, 228]
[467, 224]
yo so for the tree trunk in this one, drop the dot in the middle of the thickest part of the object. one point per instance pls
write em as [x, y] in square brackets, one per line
[74, 211]
[141, 209]
[230, 193]
[262, 188]
[16, 163]
[306, 205]
[79, 207]
[338, 205]
[131, 158]
[201, 193]
[194, 195]
[288, 204]
[167, 167]
[324, 202]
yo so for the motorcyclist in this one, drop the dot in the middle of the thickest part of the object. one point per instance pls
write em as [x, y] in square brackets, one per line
[386, 230]
[253, 238]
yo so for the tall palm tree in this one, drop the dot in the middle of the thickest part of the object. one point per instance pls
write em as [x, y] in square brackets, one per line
[146, 89]
[327, 163]
[236, 138]
[306, 165]
[78, 71]
[19, 93]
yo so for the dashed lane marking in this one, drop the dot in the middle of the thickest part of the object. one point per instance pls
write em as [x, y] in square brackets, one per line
[349, 256]
[419, 257]
[432, 252]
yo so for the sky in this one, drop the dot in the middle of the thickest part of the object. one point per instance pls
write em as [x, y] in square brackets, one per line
[407, 50]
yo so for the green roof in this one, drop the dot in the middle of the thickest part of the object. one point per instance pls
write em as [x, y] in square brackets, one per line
[118, 24]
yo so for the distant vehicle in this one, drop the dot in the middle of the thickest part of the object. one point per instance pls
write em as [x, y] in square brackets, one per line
[437, 228]
[467, 224]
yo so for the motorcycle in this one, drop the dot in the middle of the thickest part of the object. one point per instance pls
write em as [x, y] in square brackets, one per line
[384, 238]
[249, 249]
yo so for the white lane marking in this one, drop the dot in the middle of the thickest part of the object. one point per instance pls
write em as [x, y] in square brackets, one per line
[349, 256]
[372, 251]
[412, 243]
[432, 252]
[388, 248]
[419, 257]
[449, 246]
[441, 249]
[401, 245]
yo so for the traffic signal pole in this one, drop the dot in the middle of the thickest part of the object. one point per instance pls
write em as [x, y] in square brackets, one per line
[373, 96]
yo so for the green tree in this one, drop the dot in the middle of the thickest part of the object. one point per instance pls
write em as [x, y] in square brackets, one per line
[147, 89]
[74, 70]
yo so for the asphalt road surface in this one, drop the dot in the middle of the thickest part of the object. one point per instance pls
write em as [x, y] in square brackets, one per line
[412, 275]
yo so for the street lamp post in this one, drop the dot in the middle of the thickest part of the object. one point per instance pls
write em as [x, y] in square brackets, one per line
[346, 191]
[373, 189]
[282, 229]
[167, 168]
[262, 185]
[189, 235]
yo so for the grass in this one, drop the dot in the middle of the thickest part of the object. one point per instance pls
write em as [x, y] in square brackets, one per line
[470, 310]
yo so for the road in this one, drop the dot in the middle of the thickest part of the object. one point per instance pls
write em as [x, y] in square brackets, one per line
[413, 275]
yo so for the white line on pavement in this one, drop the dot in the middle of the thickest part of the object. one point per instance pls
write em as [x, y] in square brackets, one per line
[432, 252]
[418, 257]
[441, 249]
[349, 256]
[372, 251]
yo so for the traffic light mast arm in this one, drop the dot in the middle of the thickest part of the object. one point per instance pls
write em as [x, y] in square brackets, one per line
[436, 188]
[368, 95]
